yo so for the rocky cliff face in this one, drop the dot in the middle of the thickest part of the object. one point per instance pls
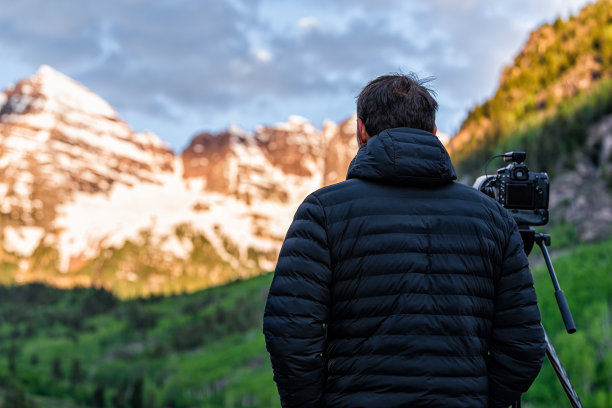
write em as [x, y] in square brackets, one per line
[85, 200]
[582, 197]
[257, 166]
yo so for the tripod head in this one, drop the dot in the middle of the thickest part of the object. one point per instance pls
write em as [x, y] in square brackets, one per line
[530, 237]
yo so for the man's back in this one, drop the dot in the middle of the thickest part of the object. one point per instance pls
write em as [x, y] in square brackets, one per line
[412, 298]
[421, 273]
[400, 287]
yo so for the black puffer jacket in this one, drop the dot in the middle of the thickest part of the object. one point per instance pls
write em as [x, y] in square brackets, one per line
[401, 288]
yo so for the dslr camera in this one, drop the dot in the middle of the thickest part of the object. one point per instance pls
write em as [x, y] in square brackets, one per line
[522, 192]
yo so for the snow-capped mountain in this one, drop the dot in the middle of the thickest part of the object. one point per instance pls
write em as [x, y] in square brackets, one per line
[85, 200]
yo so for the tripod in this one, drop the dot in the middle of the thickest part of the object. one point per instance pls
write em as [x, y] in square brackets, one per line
[543, 240]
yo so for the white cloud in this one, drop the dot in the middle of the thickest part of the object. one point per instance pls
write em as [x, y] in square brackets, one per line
[306, 24]
[262, 55]
[250, 62]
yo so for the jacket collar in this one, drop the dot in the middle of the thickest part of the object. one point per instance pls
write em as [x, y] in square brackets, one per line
[403, 156]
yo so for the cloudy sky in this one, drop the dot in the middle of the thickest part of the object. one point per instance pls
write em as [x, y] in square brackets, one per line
[179, 67]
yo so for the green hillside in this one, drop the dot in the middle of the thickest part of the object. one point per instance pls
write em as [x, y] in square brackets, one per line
[558, 85]
[85, 348]
[584, 276]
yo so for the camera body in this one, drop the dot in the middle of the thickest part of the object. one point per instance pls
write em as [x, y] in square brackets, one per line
[522, 192]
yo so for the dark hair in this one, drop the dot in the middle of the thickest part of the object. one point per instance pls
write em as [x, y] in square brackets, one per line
[397, 100]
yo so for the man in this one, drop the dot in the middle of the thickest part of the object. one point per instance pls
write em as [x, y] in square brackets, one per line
[399, 287]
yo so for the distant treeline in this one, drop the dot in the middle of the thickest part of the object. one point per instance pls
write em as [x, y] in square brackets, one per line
[552, 144]
[557, 86]
[85, 348]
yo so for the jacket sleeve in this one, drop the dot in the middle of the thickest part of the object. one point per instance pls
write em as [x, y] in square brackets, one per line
[517, 345]
[297, 309]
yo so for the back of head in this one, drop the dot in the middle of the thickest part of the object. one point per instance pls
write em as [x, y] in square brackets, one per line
[397, 100]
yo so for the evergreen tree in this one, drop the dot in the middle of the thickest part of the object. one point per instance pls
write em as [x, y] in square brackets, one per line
[75, 372]
[12, 364]
[136, 399]
[56, 368]
[97, 400]
[119, 399]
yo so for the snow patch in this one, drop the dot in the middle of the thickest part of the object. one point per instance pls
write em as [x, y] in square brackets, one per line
[296, 123]
[179, 248]
[43, 120]
[92, 221]
[22, 240]
[149, 139]
[105, 142]
[236, 130]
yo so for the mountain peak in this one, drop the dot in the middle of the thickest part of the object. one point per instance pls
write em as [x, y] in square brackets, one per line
[76, 180]
[70, 94]
[47, 72]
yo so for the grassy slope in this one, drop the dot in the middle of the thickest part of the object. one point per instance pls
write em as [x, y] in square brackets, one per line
[206, 349]
[584, 276]
[203, 349]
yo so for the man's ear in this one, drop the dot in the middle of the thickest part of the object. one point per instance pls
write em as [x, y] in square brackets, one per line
[362, 133]
[435, 129]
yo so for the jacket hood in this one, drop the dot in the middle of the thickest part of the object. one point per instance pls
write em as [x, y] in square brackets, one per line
[403, 156]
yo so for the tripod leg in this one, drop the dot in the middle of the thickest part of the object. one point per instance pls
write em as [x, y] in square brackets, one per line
[568, 320]
[561, 374]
